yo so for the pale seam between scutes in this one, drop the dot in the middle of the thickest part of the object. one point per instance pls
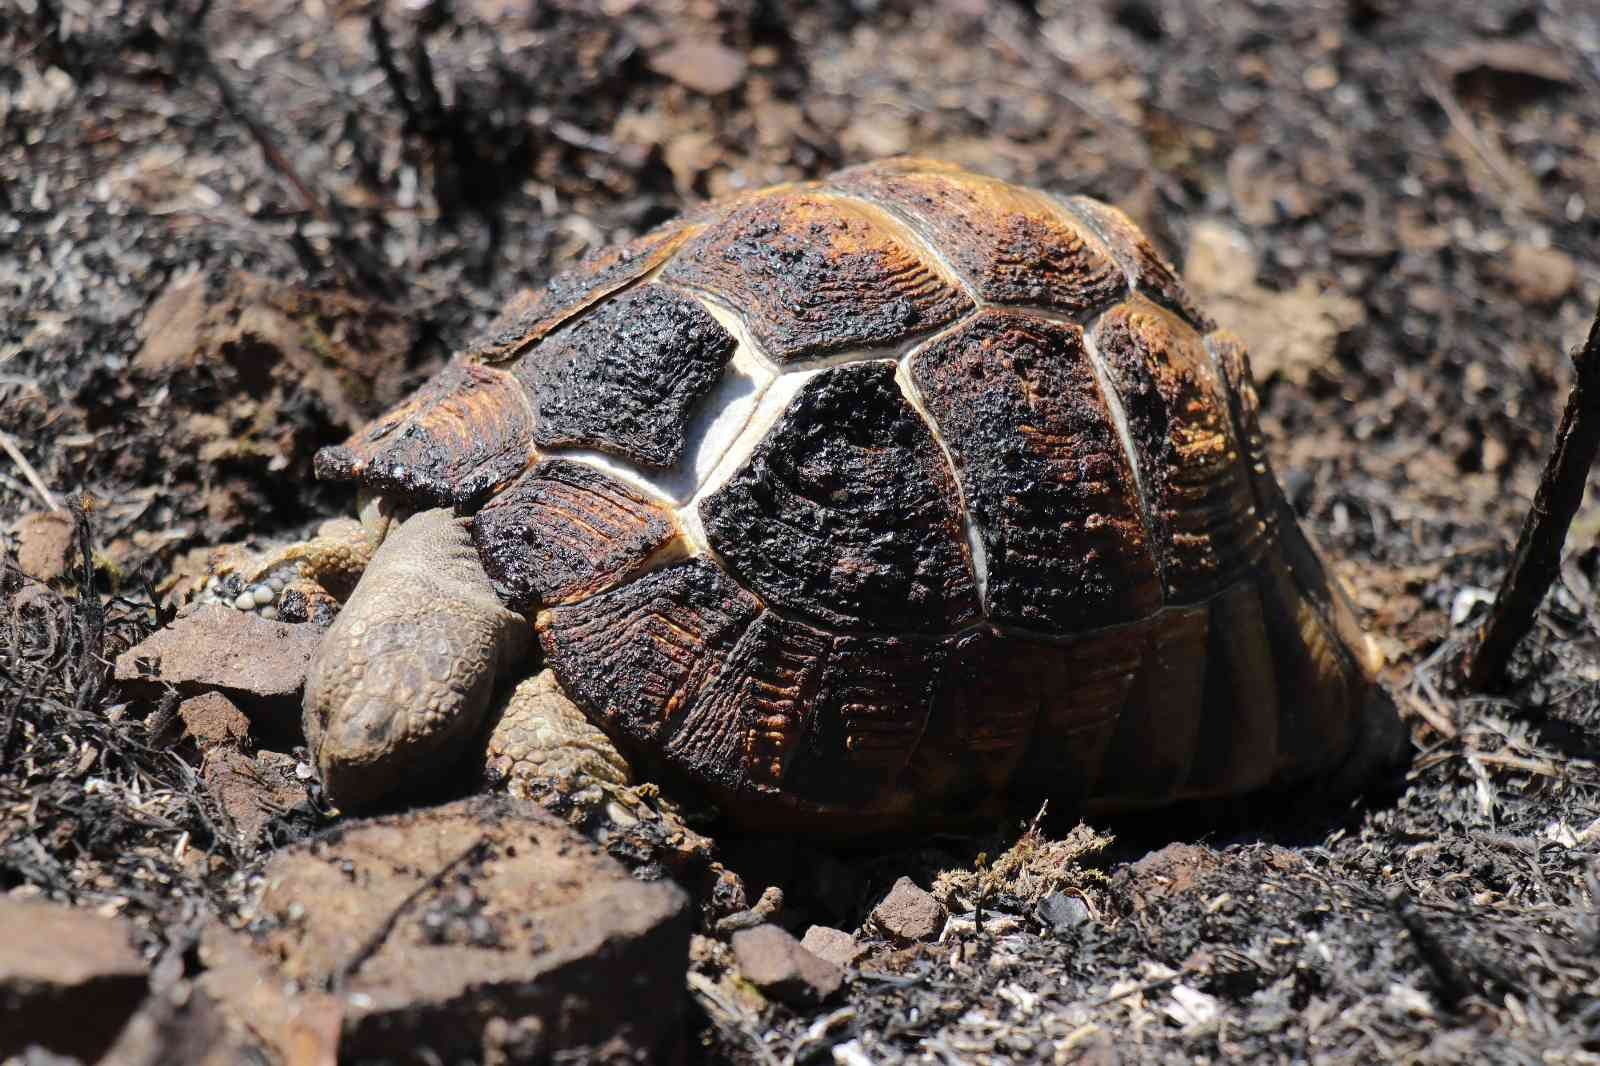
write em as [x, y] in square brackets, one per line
[1130, 449]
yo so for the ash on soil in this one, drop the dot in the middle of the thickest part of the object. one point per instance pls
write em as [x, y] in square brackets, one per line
[1429, 172]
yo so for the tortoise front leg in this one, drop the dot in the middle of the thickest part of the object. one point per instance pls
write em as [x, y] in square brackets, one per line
[402, 681]
[543, 747]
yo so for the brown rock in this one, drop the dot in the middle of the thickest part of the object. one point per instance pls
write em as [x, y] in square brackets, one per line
[187, 1027]
[211, 719]
[706, 67]
[834, 945]
[252, 790]
[259, 664]
[783, 968]
[908, 913]
[69, 979]
[45, 549]
[433, 923]
[1539, 276]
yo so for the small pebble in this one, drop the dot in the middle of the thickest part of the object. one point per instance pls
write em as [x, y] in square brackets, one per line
[269, 613]
[275, 583]
[262, 595]
[245, 601]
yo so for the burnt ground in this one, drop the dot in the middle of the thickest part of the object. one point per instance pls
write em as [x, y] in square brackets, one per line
[1422, 178]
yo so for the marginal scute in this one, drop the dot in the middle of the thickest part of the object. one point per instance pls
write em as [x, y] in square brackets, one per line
[1152, 749]
[465, 433]
[1320, 686]
[624, 378]
[1236, 749]
[1043, 472]
[563, 531]
[1013, 244]
[815, 274]
[1149, 271]
[871, 709]
[846, 511]
[1025, 715]
[746, 723]
[533, 314]
[638, 656]
[1080, 688]
[1207, 529]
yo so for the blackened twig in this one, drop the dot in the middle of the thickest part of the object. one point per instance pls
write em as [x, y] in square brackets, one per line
[371, 945]
[1454, 985]
[91, 612]
[1538, 557]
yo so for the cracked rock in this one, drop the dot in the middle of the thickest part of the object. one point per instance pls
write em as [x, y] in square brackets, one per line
[428, 926]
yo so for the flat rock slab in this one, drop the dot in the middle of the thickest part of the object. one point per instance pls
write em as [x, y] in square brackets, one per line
[775, 962]
[258, 663]
[69, 978]
[448, 929]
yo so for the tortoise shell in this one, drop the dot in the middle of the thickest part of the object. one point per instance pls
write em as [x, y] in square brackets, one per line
[892, 496]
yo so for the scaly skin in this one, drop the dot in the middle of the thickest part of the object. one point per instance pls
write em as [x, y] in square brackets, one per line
[542, 747]
[402, 681]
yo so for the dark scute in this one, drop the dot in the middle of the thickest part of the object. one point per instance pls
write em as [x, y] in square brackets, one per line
[1206, 527]
[1153, 747]
[624, 378]
[1151, 273]
[463, 434]
[746, 723]
[871, 709]
[846, 511]
[637, 657]
[1014, 245]
[814, 274]
[564, 530]
[530, 315]
[1043, 471]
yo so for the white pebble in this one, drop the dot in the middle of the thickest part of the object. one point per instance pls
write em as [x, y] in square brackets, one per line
[275, 583]
[262, 595]
[269, 613]
[245, 601]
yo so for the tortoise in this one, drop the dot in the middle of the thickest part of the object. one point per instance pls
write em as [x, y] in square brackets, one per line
[892, 500]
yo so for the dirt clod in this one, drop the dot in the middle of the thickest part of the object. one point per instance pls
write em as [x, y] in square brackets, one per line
[834, 945]
[212, 720]
[45, 545]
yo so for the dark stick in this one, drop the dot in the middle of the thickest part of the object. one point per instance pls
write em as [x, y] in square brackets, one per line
[1453, 983]
[1538, 557]
[370, 947]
